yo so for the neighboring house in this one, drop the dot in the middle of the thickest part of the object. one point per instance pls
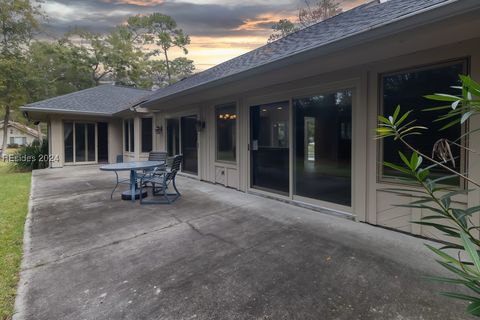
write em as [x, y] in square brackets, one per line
[295, 119]
[19, 134]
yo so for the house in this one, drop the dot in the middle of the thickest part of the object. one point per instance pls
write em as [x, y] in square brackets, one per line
[19, 134]
[295, 119]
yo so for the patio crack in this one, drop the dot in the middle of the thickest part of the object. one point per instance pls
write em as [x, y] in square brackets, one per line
[210, 235]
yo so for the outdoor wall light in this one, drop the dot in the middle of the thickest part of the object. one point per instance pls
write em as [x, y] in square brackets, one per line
[158, 129]
[200, 125]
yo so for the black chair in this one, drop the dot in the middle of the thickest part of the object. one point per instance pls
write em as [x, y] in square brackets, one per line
[160, 182]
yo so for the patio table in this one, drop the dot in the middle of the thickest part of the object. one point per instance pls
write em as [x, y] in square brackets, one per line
[133, 167]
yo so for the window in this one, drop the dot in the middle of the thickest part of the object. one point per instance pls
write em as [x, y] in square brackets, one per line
[323, 147]
[147, 134]
[129, 135]
[407, 89]
[21, 141]
[226, 117]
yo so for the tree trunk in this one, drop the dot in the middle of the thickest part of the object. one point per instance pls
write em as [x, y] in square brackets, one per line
[6, 119]
[167, 63]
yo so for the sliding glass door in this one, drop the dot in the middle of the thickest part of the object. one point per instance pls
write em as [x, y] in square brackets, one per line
[269, 147]
[80, 142]
[322, 147]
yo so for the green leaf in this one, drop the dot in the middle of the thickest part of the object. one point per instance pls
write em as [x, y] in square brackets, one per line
[466, 115]
[442, 97]
[474, 308]
[450, 124]
[402, 118]
[471, 250]
[438, 108]
[455, 104]
[396, 167]
[396, 113]
[460, 296]
[447, 230]
[405, 160]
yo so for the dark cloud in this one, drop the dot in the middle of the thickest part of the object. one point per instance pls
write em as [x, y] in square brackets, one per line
[195, 19]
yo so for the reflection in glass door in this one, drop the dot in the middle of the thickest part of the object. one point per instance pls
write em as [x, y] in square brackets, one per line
[322, 147]
[173, 137]
[269, 147]
[189, 136]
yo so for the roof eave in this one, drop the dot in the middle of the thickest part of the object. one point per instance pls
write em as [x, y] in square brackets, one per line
[63, 111]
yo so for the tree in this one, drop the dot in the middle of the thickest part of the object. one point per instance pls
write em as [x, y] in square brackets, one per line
[307, 16]
[319, 11]
[111, 55]
[281, 29]
[18, 22]
[162, 32]
[55, 68]
[435, 198]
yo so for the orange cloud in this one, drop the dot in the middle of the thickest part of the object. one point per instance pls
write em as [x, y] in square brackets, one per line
[260, 21]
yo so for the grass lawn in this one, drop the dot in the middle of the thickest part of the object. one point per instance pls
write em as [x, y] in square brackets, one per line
[14, 192]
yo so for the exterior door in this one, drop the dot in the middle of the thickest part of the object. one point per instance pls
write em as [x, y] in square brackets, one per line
[173, 137]
[269, 146]
[102, 142]
[189, 145]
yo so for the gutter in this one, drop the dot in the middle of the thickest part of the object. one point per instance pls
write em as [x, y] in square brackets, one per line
[73, 112]
[415, 19]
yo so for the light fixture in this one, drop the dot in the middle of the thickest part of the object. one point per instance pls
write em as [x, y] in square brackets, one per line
[159, 129]
[279, 108]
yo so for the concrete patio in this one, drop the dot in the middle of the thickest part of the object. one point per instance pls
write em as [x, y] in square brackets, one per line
[214, 254]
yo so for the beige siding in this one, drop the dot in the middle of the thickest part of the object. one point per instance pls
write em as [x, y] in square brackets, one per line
[369, 202]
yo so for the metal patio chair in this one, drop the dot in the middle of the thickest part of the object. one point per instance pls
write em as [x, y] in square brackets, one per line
[160, 182]
[155, 156]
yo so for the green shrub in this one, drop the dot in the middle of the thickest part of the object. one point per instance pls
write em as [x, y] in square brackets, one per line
[31, 157]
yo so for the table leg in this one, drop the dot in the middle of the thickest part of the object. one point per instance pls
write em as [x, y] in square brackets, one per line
[133, 182]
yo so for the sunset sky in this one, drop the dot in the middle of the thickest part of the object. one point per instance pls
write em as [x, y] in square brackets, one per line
[219, 29]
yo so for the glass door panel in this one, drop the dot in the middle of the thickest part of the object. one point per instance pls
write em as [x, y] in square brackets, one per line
[269, 147]
[68, 141]
[173, 137]
[80, 143]
[91, 142]
[189, 138]
[102, 142]
[322, 147]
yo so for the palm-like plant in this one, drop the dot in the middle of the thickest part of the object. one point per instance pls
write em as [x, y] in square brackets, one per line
[435, 197]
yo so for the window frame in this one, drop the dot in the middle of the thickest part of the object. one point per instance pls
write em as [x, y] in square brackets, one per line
[216, 107]
[141, 134]
[381, 178]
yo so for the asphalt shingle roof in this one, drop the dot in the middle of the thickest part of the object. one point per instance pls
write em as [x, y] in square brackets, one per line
[357, 20]
[103, 99]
